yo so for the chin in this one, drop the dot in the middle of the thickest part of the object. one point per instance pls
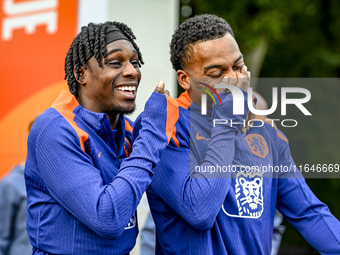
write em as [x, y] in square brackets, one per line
[129, 112]
[124, 110]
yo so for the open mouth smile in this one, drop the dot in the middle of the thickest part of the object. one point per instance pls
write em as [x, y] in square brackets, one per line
[130, 90]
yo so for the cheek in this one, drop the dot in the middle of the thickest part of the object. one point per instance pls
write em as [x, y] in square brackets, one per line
[139, 75]
[195, 94]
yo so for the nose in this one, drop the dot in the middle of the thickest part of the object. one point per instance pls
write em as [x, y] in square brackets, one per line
[130, 70]
[251, 192]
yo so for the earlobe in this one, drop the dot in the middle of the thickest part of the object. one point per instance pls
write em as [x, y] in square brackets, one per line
[183, 79]
[81, 79]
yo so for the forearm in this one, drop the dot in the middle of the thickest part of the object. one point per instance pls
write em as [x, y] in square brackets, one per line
[309, 215]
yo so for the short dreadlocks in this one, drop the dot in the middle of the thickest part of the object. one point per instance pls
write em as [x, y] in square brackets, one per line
[92, 38]
[196, 29]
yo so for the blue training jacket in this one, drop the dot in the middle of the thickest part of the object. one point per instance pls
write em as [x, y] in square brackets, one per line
[83, 188]
[215, 190]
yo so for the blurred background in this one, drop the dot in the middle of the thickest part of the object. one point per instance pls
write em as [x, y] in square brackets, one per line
[279, 39]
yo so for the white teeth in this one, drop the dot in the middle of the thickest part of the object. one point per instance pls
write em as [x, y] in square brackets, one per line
[126, 88]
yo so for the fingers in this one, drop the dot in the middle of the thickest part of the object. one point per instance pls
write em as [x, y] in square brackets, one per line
[243, 78]
[160, 87]
[225, 80]
[244, 71]
[239, 77]
[244, 83]
[250, 118]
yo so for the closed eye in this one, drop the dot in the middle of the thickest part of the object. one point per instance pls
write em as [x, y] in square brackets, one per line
[238, 68]
[216, 73]
[216, 76]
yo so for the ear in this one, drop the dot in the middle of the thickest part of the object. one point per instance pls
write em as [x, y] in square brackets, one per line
[183, 79]
[82, 77]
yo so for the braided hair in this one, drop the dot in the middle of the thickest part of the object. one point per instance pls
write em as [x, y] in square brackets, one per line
[92, 38]
[200, 28]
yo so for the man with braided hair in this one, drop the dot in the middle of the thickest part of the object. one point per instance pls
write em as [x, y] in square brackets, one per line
[83, 182]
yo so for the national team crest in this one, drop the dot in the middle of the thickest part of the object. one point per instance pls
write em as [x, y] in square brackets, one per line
[248, 195]
[257, 145]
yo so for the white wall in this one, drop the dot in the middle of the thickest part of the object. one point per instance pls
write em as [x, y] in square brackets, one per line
[153, 23]
[95, 11]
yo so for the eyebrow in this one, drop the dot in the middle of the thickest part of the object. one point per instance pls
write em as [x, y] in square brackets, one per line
[219, 66]
[212, 66]
[115, 50]
[240, 57]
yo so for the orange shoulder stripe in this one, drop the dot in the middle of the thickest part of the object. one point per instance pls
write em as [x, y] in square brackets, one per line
[128, 126]
[65, 104]
[175, 138]
[184, 100]
[265, 119]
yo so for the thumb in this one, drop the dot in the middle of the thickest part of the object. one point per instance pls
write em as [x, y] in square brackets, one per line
[160, 87]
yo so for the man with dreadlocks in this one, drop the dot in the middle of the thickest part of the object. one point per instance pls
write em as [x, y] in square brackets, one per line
[83, 182]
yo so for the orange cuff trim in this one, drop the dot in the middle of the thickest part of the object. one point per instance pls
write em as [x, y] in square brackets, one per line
[172, 117]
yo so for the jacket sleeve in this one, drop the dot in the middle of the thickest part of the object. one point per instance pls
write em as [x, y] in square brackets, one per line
[306, 212]
[72, 179]
[197, 196]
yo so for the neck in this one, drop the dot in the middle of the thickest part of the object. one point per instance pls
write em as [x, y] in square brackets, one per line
[114, 120]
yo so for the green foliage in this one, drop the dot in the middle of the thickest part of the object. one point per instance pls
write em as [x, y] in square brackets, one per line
[302, 35]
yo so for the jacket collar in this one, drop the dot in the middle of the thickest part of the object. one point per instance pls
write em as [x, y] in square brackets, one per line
[70, 108]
